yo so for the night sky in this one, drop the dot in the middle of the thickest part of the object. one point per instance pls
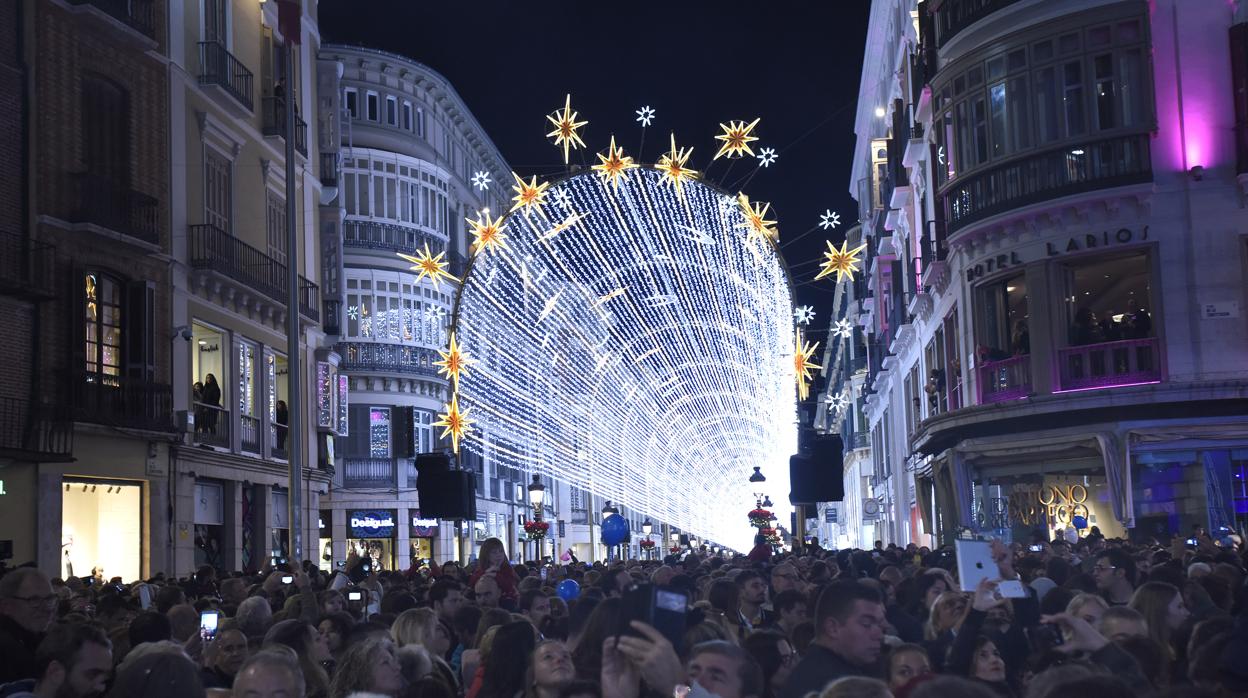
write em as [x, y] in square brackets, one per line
[697, 63]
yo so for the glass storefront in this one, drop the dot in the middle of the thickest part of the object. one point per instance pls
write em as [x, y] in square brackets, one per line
[1174, 490]
[371, 535]
[1057, 504]
[325, 540]
[101, 529]
[421, 536]
[209, 524]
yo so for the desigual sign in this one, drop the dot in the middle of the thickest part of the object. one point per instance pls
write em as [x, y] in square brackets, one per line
[371, 524]
[1077, 243]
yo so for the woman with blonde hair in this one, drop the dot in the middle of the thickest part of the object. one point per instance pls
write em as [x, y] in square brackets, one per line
[1163, 609]
[1089, 607]
[946, 617]
[420, 627]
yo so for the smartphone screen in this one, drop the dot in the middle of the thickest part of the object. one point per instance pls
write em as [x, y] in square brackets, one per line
[1036, 548]
[208, 625]
[145, 596]
[288, 579]
[354, 596]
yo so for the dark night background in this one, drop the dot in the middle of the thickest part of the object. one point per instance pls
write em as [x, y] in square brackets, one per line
[698, 63]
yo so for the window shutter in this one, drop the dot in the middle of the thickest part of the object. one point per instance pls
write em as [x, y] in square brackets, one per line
[357, 437]
[139, 341]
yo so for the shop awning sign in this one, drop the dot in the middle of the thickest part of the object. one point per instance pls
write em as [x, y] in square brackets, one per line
[423, 528]
[372, 524]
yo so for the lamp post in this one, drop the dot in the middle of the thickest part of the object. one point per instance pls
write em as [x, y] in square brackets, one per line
[537, 499]
[646, 528]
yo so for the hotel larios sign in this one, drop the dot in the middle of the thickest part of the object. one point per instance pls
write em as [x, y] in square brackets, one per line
[1077, 243]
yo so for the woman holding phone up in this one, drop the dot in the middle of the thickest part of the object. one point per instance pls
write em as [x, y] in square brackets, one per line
[493, 563]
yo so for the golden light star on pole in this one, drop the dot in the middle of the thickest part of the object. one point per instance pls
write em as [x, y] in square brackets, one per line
[842, 262]
[613, 164]
[454, 362]
[528, 194]
[429, 265]
[454, 422]
[672, 166]
[756, 218]
[487, 232]
[565, 128]
[802, 365]
[736, 138]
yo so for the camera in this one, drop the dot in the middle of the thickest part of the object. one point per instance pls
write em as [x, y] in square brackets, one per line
[208, 625]
[1038, 548]
[664, 608]
[1192, 542]
[355, 596]
[1045, 637]
[288, 579]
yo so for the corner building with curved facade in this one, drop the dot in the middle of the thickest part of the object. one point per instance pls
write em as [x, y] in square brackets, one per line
[1054, 205]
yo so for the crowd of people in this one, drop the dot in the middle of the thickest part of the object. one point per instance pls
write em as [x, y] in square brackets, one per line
[1097, 617]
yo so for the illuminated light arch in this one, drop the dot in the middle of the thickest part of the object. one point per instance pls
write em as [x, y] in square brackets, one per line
[662, 396]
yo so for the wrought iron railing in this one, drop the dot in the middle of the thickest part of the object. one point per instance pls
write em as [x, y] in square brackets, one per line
[388, 236]
[101, 201]
[27, 267]
[1109, 364]
[952, 16]
[249, 433]
[216, 250]
[124, 402]
[35, 429]
[273, 118]
[219, 67]
[368, 472]
[139, 15]
[277, 441]
[212, 425]
[1046, 175]
[1003, 380]
[386, 358]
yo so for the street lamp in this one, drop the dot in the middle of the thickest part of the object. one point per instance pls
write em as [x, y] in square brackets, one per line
[537, 498]
[608, 511]
[767, 503]
[646, 528]
[757, 476]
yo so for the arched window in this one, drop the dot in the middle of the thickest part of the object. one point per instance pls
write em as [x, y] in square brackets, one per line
[103, 315]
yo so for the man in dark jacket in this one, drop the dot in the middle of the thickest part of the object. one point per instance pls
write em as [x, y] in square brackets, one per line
[73, 661]
[849, 635]
[27, 608]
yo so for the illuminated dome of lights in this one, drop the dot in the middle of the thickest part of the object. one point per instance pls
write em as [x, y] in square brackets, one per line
[634, 339]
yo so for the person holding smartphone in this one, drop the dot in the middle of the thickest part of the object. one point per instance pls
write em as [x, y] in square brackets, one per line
[493, 563]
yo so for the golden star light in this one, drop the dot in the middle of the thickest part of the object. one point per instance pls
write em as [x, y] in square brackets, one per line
[802, 365]
[487, 232]
[528, 194]
[429, 265]
[613, 164]
[842, 262]
[454, 422]
[672, 166]
[454, 362]
[565, 128]
[756, 218]
[736, 138]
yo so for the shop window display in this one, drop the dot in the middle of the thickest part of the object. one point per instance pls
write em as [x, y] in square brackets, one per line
[1174, 490]
[101, 529]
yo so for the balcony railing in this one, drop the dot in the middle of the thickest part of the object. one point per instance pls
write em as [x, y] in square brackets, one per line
[216, 250]
[368, 472]
[274, 122]
[27, 267]
[1045, 175]
[859, 440]
[386, 358]
[139, 15]
[249, 433]
[387, 236]
[1109, 364]
[952, 16]
[34, 430]
[329, 169]
[277, 441]
[219, 67]
[122, 402]
[1003, 380]
[212, 425]
[100, 201]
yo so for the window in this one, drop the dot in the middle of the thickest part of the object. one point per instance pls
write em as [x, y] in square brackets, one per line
[1072, 97]
[392, 111]
[379, 432]
[371, 106]
[422, 428]
[407, 115]
[1001, 330]
[106, 141]
[353, 102]
[278, 382]
[420, 123]
[247, 369]
[1108, 299]
[218, 191]
[275, 226]
[103, 296]
[216, 23]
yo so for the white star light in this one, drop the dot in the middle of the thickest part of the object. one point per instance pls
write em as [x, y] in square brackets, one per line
[561, 197]
[829, 219]
[353, 312]
[940, 155]
[481, 180]
[766, 156]
[839, 401]
[804, 314]
[843, 329]
[645, 115]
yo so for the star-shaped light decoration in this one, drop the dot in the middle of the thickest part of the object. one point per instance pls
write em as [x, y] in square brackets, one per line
[645, 115]
[454, 362]
[454, 422]
[561, 197]
[672, 167]
[487, 232]
[843, 329]
[839, 401]
[829, 219]
[802, 365]
[481, 180]
[565, 128]
[614, 164]
[528, 194]
[804, 314]
[429, 265]
[353, 312]
[842, 262]
[736, 138]
[766, 156]
[756, 218]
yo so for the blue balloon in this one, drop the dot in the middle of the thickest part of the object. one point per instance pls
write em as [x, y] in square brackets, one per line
[614, 530]
[1079, 522]
[568, 589]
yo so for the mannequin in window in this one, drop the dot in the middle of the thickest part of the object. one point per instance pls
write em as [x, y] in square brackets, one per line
[280, 414]
[212, 398]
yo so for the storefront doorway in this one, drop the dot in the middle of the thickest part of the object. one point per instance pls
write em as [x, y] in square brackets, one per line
[102, 529]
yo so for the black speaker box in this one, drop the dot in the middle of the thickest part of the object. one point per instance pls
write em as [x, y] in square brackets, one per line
[817, 474]
[447, 494]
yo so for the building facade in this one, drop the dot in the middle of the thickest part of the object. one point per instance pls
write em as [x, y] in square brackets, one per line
[1053, 193]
